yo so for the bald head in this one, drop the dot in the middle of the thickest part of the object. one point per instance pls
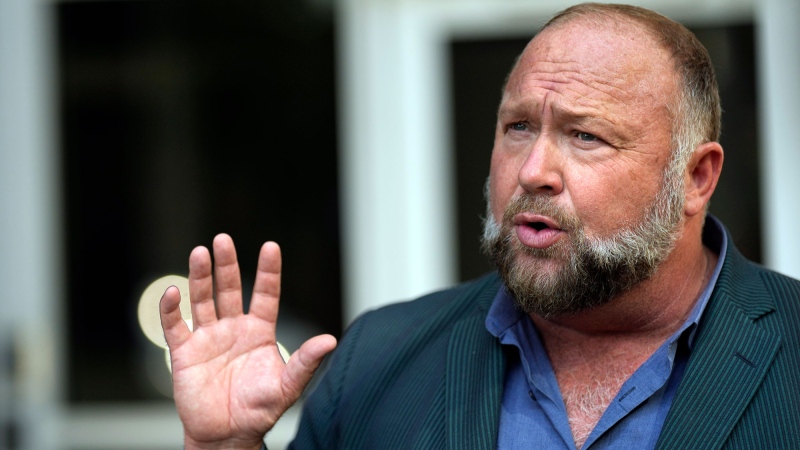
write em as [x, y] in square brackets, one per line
[696, 111]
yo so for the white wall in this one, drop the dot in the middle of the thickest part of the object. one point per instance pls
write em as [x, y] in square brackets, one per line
[778, 39]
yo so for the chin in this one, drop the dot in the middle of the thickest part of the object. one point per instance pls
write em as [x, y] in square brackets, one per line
[538, 266]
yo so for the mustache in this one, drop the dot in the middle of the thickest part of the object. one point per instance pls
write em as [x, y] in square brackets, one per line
[542, 205]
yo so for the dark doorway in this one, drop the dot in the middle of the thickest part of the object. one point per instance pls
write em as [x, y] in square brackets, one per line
[180, 120]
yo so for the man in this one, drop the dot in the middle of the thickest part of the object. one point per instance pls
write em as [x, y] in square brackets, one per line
[622, 316]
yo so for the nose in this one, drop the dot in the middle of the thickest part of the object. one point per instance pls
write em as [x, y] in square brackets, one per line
[541, 172]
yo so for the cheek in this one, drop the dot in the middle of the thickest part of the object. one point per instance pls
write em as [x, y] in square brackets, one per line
[597, 206]
[502, 184]
[607, 201]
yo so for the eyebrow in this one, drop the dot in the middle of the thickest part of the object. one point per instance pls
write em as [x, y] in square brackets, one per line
[606, 126]
[578, 115]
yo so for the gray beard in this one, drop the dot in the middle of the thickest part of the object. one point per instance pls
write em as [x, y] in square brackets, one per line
[593, 270]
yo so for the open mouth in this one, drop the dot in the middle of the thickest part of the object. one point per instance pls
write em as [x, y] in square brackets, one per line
[538, 226]
[537, 231]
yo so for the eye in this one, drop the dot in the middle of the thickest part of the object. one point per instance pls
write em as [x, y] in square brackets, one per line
[586, 137]
[518, 126]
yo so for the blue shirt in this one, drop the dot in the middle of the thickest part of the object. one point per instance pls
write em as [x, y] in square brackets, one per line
[532, 410]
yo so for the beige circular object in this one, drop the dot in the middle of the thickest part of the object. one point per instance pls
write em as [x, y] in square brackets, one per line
[149, 317]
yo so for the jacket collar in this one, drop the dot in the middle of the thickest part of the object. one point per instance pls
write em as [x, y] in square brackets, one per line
[732, 354]
[474, 378]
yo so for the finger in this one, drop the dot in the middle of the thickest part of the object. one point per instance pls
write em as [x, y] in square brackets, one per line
[267, 288]
[176, 332]
[227, 277]
[303, 363]
[201, 288]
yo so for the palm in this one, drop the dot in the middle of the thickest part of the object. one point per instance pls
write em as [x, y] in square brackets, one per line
[230, 382]
[209, 367]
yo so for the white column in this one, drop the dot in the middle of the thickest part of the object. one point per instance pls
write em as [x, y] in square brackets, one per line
[397, 214]
[778, 49]
[30, 304]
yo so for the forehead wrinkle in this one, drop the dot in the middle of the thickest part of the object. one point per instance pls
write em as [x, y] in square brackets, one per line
[622, 76]
[615, 85]
[581, 105]
[584, 92]
[558, 103]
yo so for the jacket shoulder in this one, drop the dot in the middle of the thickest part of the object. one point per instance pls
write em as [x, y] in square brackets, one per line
[446, 305]
[384, 383]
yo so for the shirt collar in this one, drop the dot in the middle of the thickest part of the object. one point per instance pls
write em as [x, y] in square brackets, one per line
[503, 313]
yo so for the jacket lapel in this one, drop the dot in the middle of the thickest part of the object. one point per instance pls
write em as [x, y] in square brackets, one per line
[474, 380]
[730, 358]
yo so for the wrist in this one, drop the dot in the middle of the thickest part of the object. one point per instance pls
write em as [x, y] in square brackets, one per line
[228, 444]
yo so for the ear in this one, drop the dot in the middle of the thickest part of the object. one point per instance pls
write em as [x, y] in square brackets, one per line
[702, 175]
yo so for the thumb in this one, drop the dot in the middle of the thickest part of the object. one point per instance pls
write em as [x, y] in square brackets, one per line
[303, 363]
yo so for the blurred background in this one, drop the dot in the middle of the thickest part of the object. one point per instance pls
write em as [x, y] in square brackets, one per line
[355, 133]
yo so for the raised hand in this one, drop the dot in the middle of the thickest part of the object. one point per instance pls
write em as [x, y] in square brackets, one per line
[230, 382]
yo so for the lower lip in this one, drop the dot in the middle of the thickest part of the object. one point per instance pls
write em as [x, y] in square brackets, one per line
[531, 237]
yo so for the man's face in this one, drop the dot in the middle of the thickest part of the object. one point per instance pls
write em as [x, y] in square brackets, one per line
[581, 205]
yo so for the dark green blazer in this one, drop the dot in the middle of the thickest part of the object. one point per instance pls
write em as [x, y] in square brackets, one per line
[427, 374]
